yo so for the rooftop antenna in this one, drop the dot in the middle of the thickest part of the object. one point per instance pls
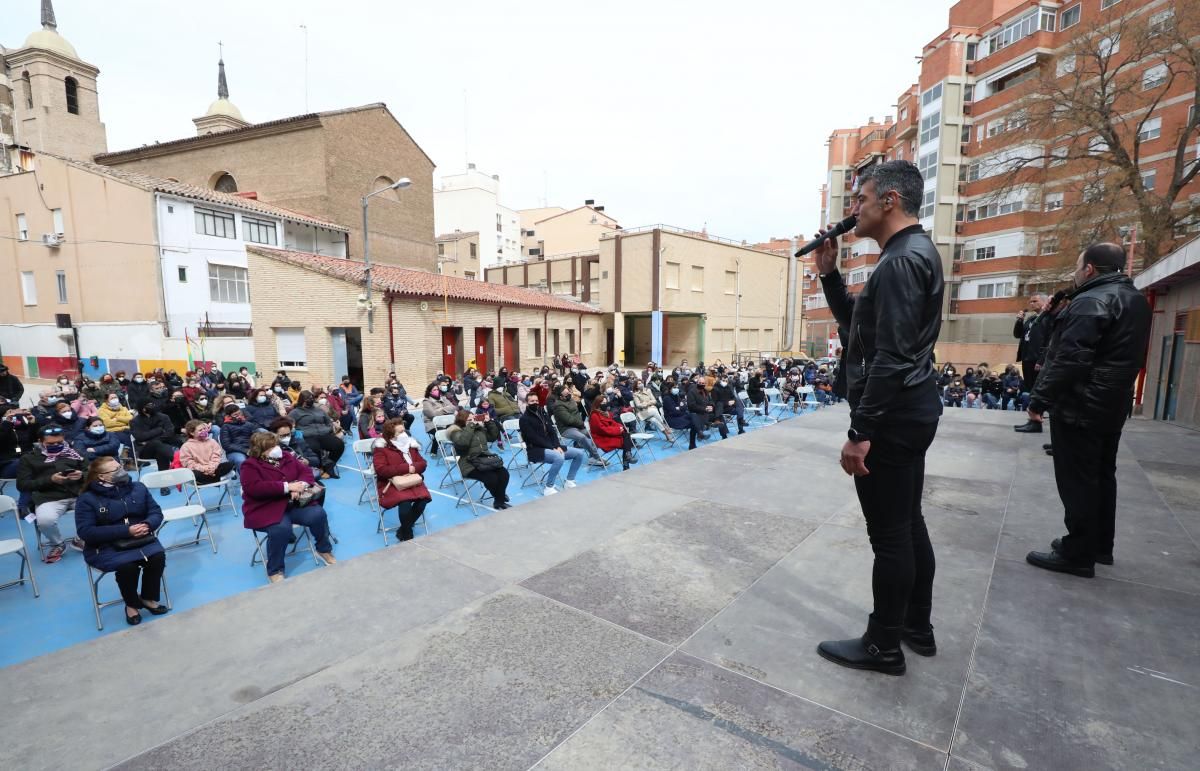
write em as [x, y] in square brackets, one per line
[305, 28]
[466, 136]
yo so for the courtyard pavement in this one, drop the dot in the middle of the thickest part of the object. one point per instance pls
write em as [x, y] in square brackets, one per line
[667, 617]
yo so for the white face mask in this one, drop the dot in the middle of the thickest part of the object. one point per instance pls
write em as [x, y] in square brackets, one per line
[275, 453]
[138, 380]
[114, 404]
[322, 402]
[261, 400]
[203, 402]
[285, 440]
[401, 441]
[97, 430]
[68, 414]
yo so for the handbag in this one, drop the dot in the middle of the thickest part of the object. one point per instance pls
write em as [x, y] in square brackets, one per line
[403, 481]
[487, 461]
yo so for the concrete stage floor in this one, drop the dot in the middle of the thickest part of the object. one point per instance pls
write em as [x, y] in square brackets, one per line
[667, 618]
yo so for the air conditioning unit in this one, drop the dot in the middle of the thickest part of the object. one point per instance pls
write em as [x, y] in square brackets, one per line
[52, 240]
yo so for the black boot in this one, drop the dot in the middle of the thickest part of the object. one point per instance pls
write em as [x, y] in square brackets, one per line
[1030, 427]
[878, 650]
[918, 632]
[625, 460]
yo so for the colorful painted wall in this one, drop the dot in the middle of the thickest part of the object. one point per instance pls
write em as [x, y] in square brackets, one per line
[50, 367]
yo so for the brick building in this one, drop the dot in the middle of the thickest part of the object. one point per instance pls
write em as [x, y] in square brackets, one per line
[966, 124]
[458, 254]
[423, 322]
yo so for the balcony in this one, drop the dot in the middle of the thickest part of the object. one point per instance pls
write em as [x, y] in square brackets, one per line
[991, 305]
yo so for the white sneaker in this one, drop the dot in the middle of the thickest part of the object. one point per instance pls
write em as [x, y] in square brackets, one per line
[550, 491]
[569, 484]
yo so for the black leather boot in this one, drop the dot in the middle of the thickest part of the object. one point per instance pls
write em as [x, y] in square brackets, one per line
[878, 650]
[1030, 427]
[918, 632]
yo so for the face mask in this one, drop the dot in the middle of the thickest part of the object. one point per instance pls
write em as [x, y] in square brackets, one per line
[275, 453]
[675, 392]
[401, 441]
[322, 402]
[54, 449]
[435, 393]
[68, 414]
[53, 400]
[119, 477]
[203, 402]
[261, 400]
[724, 383]
[138, 379]
[63, 382]
[202, 434]
[114, 404]
[285, 440]
[96, 430]
[278, 390]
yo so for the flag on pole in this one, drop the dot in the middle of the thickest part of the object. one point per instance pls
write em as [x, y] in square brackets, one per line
[187, 341]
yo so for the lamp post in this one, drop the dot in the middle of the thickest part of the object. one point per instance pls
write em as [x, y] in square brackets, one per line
[401, 183]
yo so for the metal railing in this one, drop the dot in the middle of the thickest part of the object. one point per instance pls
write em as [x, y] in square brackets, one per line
[677, 231]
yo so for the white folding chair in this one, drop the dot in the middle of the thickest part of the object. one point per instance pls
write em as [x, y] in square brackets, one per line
[304, 535]
[808, 398]
[94, 578]
[139, 462]
[512, 433]
[775, 404]
[225, 484]
[641, 439]
[751, 411]
[449, 455]
[363, 450]
[4, 483]
[16, 546]
[440, 423]
[191, 509]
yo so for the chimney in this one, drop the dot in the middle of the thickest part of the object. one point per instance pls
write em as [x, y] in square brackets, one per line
[599, 208]
[496, 177]
[590, 202]
[470, 167]
[869, 121]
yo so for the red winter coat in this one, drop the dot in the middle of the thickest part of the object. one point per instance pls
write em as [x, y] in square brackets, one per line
[606, 432]
[389, 462]
[264, 498]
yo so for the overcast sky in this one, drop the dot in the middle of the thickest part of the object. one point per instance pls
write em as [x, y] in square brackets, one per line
[685, 113]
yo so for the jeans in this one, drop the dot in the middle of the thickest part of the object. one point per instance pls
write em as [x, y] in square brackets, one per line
[890, 496]
[581, 440]
[410, 512]
[737, 409]
[991, 401]
[236, 458]
[556, 458]
[48, 515]
[1085, 470]
[151, 570]
[279, 535]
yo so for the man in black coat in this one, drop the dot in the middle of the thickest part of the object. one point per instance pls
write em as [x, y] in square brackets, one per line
[727, 403]
[1032, 330]
[11, 387]
[543, 445]
[1096, 351]
[702, 412]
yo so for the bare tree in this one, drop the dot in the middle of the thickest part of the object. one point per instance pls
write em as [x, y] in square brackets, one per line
[1084, 120]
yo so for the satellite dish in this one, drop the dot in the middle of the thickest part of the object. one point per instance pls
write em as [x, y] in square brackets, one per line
[424, 306]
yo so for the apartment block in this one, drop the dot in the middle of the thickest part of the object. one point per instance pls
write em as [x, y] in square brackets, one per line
[470, 202]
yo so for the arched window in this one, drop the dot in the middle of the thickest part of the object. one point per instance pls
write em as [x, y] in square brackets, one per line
[382, 182]
[72, 95]
[28, 89]
[223, 182]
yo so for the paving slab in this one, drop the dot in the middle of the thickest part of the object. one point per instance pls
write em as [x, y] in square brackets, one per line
[822, 591]
[495, 685]
[666, 578]
[1075, 673]
[186, 669]
[689, 714]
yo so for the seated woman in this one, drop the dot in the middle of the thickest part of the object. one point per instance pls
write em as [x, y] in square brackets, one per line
[646, 408]
[180, 411]
[675, 406]
[436, 402]
[275, 487]
[95, 441]
[236, 432]
[320, 432]
[471, 444]
[65, 417]
[261, 410]
[202, 454]
[155, 437]
[610, 434]
[285, 430]
[116, 518]
[117, 419]
[396, 455]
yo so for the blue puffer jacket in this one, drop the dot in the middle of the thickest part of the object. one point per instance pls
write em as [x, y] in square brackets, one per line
[91, 447]
[261, 415]
[235, 437]
[100, 519]
[676, 412]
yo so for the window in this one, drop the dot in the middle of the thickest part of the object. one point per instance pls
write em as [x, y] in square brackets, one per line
[72, 87]
[1019, 29]
[981, 253]
[227, 284]
[60, 279]
[535, 342]
[903, 114]
[28, 288]
[730, 282]
[27, 85]
[932, 95]
[1109, 45]
[1065, 65]
[1070, 17]
[474, 249]
[1161, 22]
[928, 205]
[969, 92]
[22, 228]
[290, 348]
[57, 216]
[225, 183]
[260, 231]
[1151, 129]
[994, 209]
[215, 223]
[1149, 177]
[1097, 145]
[928, 166]
[441, 250]
[972, 50]
[469, 274]
[697, 278]
[1058, 155]
[931, 127]
[671, 279]
[1053, 201]
[1050, 245]
[1154, 77]
[535, 252]
[182, 270]
[1092, 192]
[1006, 288]
[1105, 4]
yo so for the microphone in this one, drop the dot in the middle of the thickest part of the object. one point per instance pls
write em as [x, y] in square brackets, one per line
[834, 232]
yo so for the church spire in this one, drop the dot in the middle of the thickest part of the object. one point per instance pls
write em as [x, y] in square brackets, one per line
[222, 85]
[48, 20]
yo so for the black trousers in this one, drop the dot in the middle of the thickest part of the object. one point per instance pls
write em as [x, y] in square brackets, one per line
[891, 502]
[700, 422]
[496, 483]
[328, 443]
[1085, 470]
[151, 570]
[223, 468]
[162, 452]
[1029, 375]
[410, 512]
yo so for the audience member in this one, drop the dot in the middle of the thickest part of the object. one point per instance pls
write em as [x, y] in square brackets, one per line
[318, 430]
[52, 474]
[475, 460]
[435, 403]
[202, 454]
[11, 387]
[235, 435]
[155, 438]
[703, 414]
[542, 444]
[646, 409]
[610, 434]
[95, 441]
[399, 476]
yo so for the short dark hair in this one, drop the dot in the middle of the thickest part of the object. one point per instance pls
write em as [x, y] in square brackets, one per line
[900, 176]
[1107, 257]
[281, 422]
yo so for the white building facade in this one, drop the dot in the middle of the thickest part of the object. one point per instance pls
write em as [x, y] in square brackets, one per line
[471, 202]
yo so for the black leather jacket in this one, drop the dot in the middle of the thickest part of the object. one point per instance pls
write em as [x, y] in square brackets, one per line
[892, 326]
[1096, 351]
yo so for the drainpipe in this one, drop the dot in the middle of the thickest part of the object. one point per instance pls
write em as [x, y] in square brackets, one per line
[391, 333]
[499, 341]
[789, 336]
[545, 335]
[1152, 296]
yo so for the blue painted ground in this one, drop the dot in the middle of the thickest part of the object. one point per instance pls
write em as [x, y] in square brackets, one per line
[62, 616]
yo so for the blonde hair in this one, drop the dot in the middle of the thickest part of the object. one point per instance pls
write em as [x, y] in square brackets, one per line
[261, 443]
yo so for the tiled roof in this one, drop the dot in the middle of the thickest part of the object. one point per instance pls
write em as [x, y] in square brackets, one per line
[458, 236]
[183, 190]
[418, 283]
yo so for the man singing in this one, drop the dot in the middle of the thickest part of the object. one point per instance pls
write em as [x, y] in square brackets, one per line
[892, 325]
[1096, 350]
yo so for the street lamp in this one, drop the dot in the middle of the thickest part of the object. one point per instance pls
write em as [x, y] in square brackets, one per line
[399, 184]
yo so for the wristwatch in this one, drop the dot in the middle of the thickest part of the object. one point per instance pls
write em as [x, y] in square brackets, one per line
[857, 436]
